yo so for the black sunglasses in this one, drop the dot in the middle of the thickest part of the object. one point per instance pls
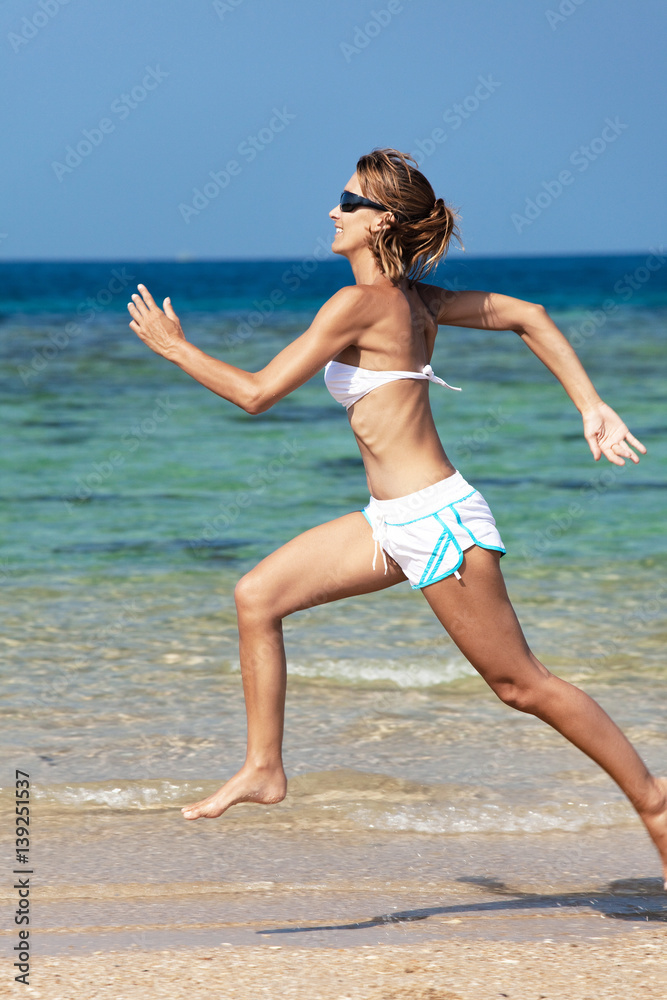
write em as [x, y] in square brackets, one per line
[350, 201]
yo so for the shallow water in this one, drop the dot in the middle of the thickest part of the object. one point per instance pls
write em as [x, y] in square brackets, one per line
[132, 500]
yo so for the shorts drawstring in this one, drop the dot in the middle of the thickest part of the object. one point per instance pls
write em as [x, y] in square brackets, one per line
[379, 535]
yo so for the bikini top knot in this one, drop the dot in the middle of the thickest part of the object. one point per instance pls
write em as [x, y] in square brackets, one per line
[348, 383]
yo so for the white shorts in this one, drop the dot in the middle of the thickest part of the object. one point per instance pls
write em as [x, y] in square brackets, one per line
[427, 532]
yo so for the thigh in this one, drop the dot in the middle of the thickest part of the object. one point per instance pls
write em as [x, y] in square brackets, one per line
[478, 615]
[326, 563]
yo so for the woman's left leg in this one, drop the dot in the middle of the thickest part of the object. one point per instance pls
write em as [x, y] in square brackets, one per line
[478, 615]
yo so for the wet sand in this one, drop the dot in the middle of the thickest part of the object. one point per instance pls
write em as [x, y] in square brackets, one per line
[134, 905]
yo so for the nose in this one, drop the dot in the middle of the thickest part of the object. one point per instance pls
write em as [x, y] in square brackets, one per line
[335, 212]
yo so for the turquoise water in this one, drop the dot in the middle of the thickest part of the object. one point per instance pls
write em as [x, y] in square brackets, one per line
[133, 499]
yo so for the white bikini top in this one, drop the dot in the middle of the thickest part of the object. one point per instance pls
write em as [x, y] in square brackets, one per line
[348, 384]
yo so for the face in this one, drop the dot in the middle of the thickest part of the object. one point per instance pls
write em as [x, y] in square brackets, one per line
[352, 228]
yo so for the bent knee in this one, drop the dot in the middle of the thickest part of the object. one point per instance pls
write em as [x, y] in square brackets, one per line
[252, 595]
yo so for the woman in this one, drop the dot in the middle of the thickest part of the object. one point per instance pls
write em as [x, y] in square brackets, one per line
[376, 338]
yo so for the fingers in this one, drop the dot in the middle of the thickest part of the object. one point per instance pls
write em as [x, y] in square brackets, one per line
[139, 305]
[137, 318]
[144, 303]
[169, 309]
[611, 438]
[623, 449]
[635, 443]
[618, 451]
[148, 298]
[594, 446]
[611, 455]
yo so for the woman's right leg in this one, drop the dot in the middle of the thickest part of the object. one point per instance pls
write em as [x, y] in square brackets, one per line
[325, 564]
[477, 614]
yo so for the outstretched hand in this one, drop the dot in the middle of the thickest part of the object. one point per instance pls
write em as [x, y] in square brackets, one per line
[607, 435]
[160, 330]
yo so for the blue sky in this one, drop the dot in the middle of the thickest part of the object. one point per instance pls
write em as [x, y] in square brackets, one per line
[541, 121]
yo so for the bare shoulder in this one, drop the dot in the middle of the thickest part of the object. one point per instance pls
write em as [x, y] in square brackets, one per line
[349, 297]
[354, 304]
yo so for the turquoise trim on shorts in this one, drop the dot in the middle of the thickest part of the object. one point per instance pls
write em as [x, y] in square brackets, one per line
[425, 557]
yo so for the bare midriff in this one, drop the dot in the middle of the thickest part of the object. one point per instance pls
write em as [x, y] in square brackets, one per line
[398, 440]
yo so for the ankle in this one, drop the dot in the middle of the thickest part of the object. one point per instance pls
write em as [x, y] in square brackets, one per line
[263, 763]
[655, 800]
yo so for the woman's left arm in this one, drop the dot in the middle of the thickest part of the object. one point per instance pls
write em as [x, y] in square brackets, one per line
[604, 430]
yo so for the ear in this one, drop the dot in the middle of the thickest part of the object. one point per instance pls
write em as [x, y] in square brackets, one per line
[382, 222]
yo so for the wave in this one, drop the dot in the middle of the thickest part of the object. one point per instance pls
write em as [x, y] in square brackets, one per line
[345, 800]
[425, 673]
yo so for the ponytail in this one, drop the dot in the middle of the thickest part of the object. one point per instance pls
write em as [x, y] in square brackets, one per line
[418, 235]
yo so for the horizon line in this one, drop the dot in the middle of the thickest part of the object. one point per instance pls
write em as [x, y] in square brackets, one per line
[188, 259]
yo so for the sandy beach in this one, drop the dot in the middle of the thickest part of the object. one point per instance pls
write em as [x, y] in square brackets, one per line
[129, 906]
[631, 965]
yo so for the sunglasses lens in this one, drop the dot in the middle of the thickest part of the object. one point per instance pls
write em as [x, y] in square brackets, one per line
[349, 201]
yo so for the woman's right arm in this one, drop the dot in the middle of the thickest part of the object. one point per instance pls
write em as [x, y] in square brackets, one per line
[336, 326]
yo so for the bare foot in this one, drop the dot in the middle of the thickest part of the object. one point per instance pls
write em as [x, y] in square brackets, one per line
[251, 784]
[655, 822]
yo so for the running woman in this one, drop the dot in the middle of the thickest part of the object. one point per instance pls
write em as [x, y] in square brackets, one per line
[423, 522]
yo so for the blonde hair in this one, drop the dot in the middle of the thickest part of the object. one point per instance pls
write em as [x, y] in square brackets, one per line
[413, 242]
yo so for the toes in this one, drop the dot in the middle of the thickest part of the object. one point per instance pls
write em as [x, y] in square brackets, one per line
[199, 809]
[192, 812]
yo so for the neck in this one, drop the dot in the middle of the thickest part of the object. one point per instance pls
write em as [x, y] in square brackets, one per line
[365, 269]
